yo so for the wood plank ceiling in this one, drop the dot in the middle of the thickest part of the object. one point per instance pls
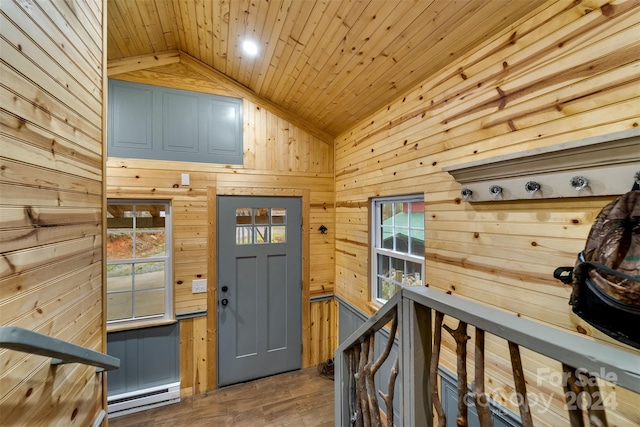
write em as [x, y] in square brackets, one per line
[329, 62]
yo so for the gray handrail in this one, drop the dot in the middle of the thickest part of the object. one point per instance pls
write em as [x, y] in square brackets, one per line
[61, 352]
[574, 350]
[373, 324]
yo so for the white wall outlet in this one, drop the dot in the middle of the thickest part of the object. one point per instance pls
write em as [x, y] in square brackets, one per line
[186, 179]
[199, 286]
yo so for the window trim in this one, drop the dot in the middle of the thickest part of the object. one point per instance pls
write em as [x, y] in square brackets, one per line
[169, 312]
[376, 240]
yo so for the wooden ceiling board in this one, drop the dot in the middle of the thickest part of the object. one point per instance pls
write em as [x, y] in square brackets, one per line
[351, 54]
[329, 62]
[390, 50]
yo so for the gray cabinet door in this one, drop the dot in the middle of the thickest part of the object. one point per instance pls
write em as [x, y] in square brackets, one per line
[259, 287]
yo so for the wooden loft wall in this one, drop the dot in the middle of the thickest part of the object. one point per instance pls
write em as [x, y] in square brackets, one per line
[51, 205]
[282, 156]
[568, 72]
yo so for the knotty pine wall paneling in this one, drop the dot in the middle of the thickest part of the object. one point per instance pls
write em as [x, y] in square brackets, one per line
[51, 205]
[570, 71]
[282, 156]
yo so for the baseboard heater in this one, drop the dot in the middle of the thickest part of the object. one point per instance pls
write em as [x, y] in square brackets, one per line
[141, 400]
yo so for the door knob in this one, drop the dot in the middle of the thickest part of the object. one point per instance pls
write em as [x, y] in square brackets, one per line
[225, 288]
[224, 301]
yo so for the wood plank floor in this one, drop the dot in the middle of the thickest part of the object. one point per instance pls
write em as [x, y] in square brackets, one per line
[297, 399]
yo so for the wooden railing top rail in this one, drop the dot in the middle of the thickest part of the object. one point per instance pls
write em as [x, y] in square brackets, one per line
[61, 352]
[373, 324]
[615, 364]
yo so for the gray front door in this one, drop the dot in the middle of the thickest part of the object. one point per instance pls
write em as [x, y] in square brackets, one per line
[259, 287]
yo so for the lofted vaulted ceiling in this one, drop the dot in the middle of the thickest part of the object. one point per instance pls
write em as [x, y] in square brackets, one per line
[329, 62]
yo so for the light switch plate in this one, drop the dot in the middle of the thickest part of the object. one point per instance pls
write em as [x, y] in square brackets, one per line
[199, 286]
[186, 179]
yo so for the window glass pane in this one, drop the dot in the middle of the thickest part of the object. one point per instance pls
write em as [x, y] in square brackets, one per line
[386, 288]
[278, 234]
[149, 216]
[278, 216]
[149, 275]
[244, 235]
[120, 216]
[402, 240]
[397, 270]
[262, 234]
[119, 306]
[386, 213]
[137, 231]
[119, 244]
[417, 242]
[402, 215]
[149, 302]
[413, 277]
[399, 227]
[243, 215]
[387, 237]
[383, 265]
[150, 242]
[119, 277]
[417, 207]
[261, 215]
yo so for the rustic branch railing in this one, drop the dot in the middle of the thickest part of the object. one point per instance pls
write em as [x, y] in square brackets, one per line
[416, 368]
[60, 351]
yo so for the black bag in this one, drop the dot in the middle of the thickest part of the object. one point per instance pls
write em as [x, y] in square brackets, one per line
[606, 276]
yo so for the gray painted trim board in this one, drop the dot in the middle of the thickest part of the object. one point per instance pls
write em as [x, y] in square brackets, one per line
[191, 314]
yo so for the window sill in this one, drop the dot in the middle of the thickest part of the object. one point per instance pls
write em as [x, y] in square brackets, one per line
[118, 327]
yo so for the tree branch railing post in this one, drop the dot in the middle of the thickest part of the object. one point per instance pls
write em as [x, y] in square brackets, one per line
[357, 359]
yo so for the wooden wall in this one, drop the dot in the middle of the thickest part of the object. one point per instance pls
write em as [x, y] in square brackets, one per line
[51, 205]
[569, 72]
[282, 156]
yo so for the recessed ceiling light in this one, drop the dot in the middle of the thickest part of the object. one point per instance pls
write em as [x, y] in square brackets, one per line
[250, 47]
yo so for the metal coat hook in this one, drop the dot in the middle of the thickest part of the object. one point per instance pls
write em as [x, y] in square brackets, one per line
[531, 187]
[322, 229]
[495, 190]
[466, 193]
[579, 182]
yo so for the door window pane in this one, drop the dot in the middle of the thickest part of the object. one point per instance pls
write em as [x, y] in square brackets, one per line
[262, 234]
[261, 225]
[278, 216]
[278, 234]
[243, 215]
[261, 215]
[244, 235]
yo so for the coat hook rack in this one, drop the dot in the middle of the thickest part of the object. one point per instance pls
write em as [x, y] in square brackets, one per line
[595, 166]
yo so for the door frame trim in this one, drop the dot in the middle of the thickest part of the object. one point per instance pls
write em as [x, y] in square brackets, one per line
[212, 259]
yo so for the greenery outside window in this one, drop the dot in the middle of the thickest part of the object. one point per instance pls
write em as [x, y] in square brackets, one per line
[138, 261]
[398, 245]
